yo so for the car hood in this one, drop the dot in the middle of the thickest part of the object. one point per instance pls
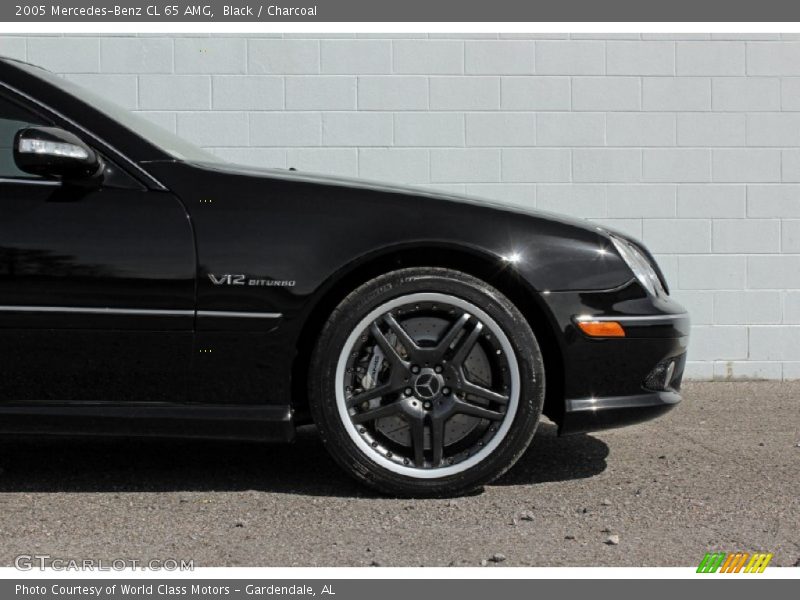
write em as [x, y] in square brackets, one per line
[406, 190]
[330, 223]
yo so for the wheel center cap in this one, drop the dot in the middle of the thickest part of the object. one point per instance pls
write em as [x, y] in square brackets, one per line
[428, 384]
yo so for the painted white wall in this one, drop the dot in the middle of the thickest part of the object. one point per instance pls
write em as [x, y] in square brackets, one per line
[688, 142]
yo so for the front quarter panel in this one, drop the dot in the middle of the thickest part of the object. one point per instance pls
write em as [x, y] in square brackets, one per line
[305, 233]
[287, 228]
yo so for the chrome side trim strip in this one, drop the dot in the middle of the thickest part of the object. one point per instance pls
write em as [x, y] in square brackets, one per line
[633, 318]
[22, 181]
[140, 311]
[98, 310]
[238, 315]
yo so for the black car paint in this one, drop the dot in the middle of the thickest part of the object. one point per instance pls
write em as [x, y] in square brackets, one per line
[156, 231]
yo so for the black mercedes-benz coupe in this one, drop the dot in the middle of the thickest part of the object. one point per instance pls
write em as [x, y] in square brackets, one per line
[149, 289]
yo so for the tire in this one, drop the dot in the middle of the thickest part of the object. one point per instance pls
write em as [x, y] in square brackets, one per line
[426, 382]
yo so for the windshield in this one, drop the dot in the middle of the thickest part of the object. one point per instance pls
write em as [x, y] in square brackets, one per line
[167, 141]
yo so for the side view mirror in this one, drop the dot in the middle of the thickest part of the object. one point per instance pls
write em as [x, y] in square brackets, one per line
[53, 152]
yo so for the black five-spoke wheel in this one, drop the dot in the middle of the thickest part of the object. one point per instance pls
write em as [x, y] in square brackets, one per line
[412, 362]
[427, 384]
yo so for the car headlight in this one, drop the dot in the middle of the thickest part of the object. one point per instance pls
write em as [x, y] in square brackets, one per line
[640, 265]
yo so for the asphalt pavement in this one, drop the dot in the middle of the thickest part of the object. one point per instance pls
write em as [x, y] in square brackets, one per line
[719, 473]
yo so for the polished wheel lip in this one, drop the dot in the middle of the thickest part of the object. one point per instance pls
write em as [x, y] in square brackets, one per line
[511, 408]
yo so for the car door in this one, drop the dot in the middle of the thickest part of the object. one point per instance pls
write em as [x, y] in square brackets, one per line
[96, 285]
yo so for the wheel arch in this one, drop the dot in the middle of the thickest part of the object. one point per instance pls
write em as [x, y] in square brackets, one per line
[468, 260]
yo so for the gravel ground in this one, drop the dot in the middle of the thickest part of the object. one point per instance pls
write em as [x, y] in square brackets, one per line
[721, 472]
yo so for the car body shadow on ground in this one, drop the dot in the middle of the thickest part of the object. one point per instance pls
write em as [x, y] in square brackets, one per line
[719, 473]
[303, 467]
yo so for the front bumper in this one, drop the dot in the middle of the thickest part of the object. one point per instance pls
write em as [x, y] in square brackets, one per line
[612, 382]
[595, 414]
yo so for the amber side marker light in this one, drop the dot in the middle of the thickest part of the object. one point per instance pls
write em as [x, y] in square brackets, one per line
[601, 328]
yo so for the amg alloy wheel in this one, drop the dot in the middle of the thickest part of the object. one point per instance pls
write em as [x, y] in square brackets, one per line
[429, 384]
[434, 389]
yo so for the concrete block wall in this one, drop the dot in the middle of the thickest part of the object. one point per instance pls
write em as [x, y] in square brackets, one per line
[688, 142]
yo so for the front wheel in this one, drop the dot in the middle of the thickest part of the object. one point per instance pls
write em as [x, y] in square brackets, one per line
[426, 382]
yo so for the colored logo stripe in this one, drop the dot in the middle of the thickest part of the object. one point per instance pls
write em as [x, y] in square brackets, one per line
[734, 562]
[711, 562]
[758, 563]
